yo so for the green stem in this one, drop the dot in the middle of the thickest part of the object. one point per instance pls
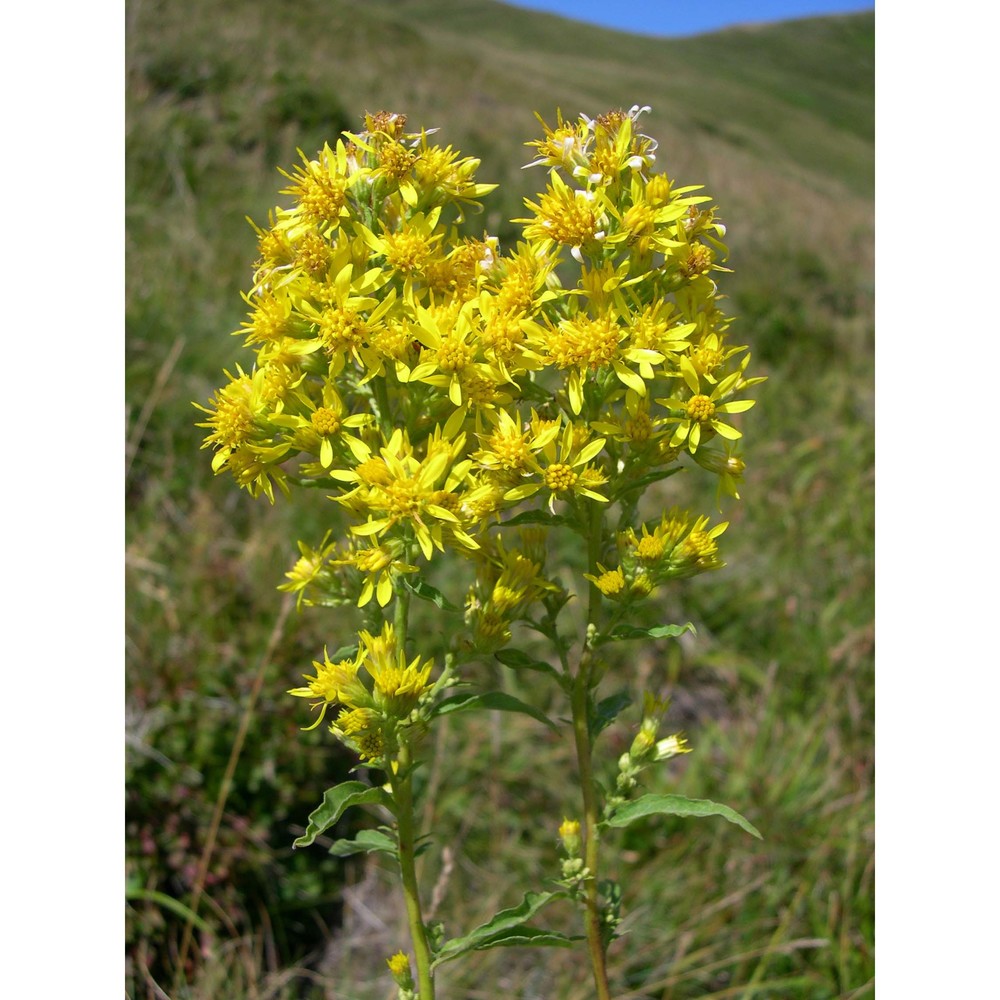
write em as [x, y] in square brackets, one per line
[402, 793]
[401, 780]
[581, 701]
[383, 406]
[592, 916]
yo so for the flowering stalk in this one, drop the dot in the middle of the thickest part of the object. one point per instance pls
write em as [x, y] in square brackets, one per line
[401, 783]
[402, 792]
[591, 837]
[465, 404]
[581, 701]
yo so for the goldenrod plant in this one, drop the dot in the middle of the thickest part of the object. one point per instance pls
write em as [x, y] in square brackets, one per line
[467, 405]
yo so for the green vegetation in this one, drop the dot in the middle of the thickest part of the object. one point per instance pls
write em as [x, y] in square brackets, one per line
[775, 692]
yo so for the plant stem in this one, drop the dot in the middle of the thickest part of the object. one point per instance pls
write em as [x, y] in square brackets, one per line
[402, 792]
[581, 701]
[401, 780]
[581, 732]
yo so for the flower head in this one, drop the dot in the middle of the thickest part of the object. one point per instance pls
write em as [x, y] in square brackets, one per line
[399, 967]
[575, 218]
[332, 682]
[698, 413]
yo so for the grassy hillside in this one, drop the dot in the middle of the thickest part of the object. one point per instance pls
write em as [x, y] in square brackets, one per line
[777, 692]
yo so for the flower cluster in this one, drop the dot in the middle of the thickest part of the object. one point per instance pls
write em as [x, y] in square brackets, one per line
[370, 713]
[647, 748]
[436, 385]
[507, 583]
[364, 290]
[677, 547]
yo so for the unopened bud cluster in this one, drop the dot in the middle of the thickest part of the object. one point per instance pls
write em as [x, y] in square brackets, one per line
[574, 871]
[647, 748]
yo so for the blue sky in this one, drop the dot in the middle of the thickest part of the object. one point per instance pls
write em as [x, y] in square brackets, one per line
[670, 17]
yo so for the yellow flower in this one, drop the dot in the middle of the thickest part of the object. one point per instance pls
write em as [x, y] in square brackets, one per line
[671, 746]
[564, 146]
[320, 189]
[569, 834]
[234, 418]
[632, 426]
[507, 452]
[610, 582]
[409, 249]
[518, 279]
[333, 682]
[399, 967]
[449, 349]
[677, 547]
[241, 431]
[564, 467]
[380, 565]
[399, 685]
[271, 317]
[350, 316]
[700, 412]
[398, 964]
[585, 344]
[418, 493]
[617, 146]
[565, 215]
[441, 173]
[728, 466]
[364, 729]
[310, 567]
[458, 274]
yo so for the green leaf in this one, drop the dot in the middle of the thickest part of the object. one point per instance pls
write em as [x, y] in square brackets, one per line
[522, 661]
[676, 805]
[366, 842]
[336, 801]
[528, 937]
[497, 700]
[427, 592]
[607, 710]
[344, 653]
[638, 632]
[498, 930]
[643, 481]
[548, 629]
[535, 517]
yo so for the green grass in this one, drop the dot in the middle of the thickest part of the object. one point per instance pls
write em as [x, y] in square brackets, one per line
[775, 693]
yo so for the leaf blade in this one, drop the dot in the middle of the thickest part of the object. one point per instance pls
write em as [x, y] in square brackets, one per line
[497, 928]
[499, 701]
[427, 592]
[520, 660]
[366, 842]
[607, 710]
[676, 805]
[625, 631]
[336, 801]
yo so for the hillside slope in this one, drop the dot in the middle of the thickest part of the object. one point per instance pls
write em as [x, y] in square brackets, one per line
[776, 121]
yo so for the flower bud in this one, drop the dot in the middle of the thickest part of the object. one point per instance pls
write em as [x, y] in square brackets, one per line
[569, 834]
[399, 966]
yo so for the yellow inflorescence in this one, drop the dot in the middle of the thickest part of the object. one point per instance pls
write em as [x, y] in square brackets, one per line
[325, 420]
[434, 382]
[700, 408]
[559, 477]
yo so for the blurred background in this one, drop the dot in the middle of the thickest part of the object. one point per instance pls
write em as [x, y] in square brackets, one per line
[776, 690]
